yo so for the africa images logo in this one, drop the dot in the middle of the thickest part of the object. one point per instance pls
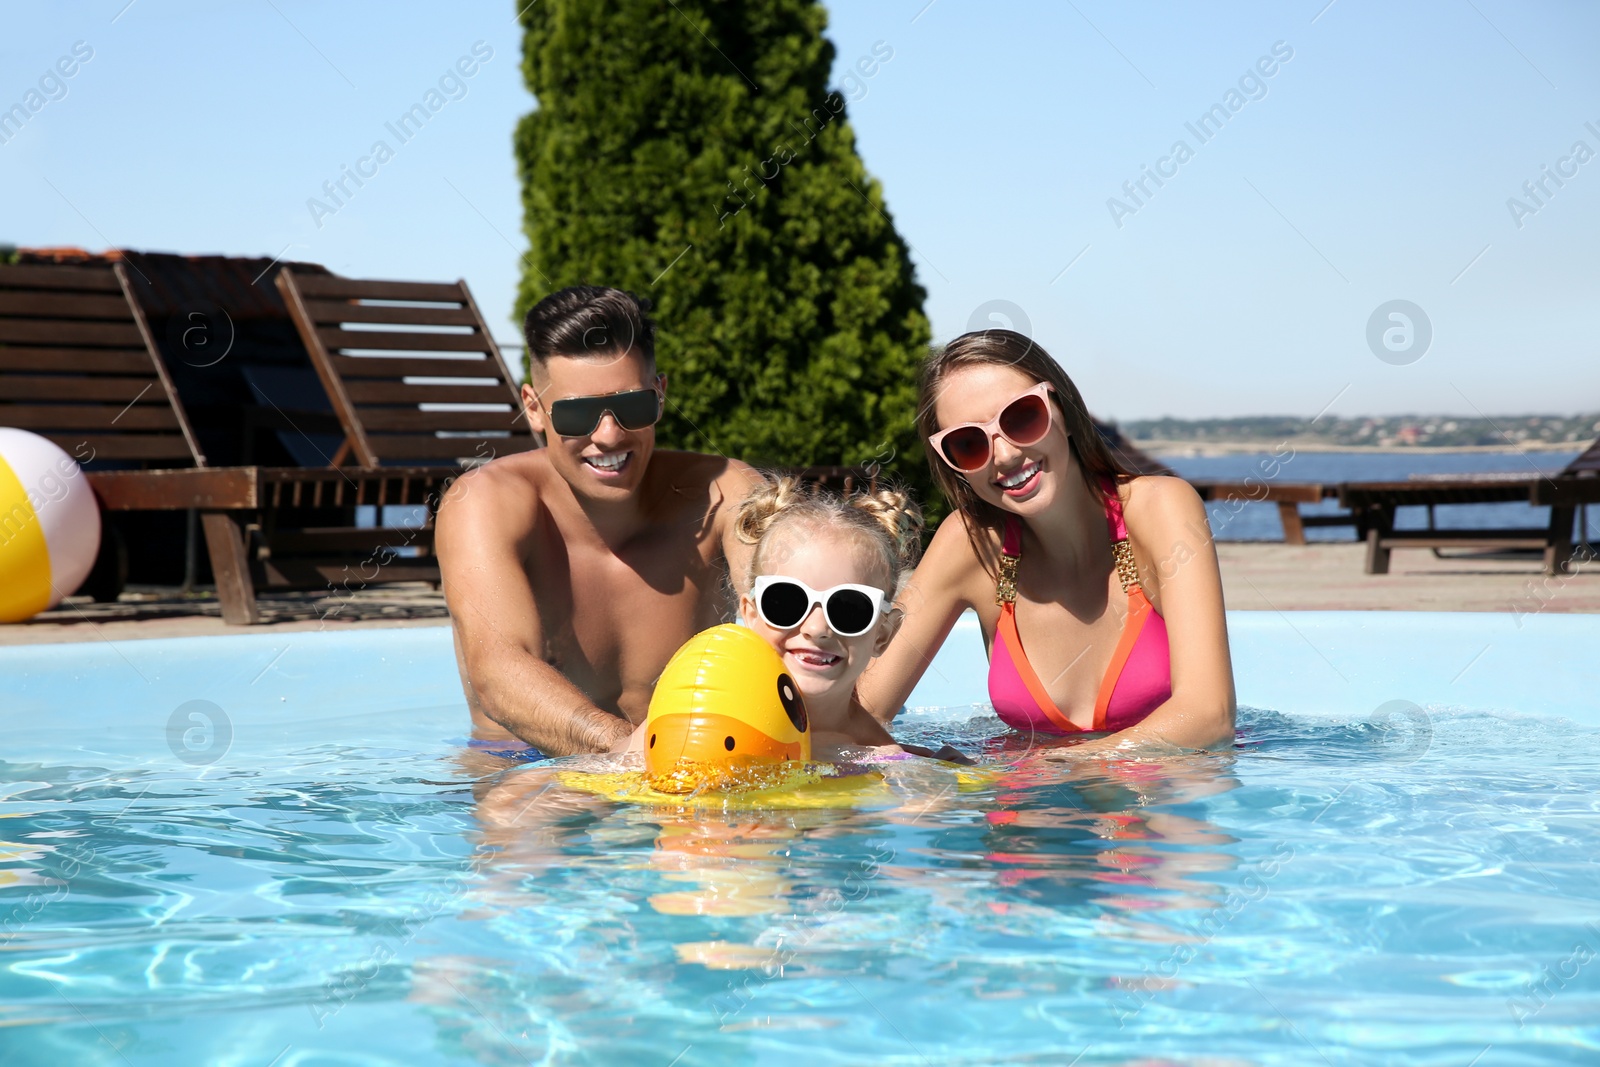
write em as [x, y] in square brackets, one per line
[452, 85]
[1399, 332]
[52, 86]
[1252, 85]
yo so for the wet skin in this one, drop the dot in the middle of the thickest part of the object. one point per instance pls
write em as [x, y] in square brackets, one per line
[825, 665]
[574, 572]
[1070, 606]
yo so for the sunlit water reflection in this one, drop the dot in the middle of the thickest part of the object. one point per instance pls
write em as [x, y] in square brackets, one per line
[1346, 893]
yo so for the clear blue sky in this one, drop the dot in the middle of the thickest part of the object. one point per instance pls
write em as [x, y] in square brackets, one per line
[1376, 166]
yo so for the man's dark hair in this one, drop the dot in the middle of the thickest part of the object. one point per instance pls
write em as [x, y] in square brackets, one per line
[590, 320]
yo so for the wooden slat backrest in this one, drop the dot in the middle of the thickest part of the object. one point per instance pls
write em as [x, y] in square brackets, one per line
[77, 366]
[1587, 462]
[410, 367]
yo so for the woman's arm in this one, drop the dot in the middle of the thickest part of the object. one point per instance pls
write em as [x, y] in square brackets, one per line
[1178, 569]
[938, 593]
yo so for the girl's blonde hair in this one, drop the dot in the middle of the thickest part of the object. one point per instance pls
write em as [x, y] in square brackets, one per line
[887, 517]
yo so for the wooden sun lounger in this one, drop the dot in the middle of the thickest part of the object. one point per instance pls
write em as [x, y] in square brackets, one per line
[1374, 503]
[249, 550]
[1288, 496]
[412, 370]
[421, 393]
[77, 367]
[80, 366]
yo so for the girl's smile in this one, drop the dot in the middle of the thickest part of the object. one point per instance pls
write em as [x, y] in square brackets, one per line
[824, 664]
[808, 658]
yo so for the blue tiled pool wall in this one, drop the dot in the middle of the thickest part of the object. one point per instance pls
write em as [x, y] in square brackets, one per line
[1339, 664]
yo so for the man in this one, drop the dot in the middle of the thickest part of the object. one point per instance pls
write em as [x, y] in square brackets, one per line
[573, 572]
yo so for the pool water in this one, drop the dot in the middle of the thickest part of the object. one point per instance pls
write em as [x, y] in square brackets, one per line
[342, 882]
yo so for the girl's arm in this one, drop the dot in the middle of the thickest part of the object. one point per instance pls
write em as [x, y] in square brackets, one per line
[937, 594]
[1178, 569]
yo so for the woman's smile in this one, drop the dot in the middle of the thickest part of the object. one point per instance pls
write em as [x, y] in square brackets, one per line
[1022, 481]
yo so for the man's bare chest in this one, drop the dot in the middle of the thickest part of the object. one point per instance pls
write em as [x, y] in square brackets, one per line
[613, 619]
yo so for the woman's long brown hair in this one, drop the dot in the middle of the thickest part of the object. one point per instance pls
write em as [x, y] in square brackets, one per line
[1010, 349]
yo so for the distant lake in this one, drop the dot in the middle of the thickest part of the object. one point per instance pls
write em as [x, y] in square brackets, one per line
[1259, 522]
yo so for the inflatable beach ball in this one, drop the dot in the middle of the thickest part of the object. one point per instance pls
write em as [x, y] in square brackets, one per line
[49, 525]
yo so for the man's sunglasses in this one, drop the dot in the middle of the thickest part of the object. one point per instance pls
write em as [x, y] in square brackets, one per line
[1023, 422]
[851, 610]
[579, 416]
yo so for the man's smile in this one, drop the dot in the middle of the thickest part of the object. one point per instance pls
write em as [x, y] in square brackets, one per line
[609, 464]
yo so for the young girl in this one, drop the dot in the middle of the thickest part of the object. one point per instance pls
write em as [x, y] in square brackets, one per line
[824, 573]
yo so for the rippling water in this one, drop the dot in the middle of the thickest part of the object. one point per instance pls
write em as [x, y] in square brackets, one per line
[1413, 890]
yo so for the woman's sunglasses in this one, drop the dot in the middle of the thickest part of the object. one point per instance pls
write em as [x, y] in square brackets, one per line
[579, 416]
[1023, 422]
[851, 610]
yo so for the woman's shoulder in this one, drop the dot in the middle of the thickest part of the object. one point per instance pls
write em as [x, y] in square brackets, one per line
[952, 564]
[952, 545]
[1160, 506]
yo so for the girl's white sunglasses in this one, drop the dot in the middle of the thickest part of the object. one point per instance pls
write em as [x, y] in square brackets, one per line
[851, 610]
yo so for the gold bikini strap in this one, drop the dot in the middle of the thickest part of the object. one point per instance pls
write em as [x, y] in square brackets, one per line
[1127, 569]
[1005, 591]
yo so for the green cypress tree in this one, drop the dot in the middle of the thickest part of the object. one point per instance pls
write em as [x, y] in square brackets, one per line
[693, 152]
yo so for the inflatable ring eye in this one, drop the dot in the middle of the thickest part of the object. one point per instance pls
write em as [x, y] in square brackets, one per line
[793, 706]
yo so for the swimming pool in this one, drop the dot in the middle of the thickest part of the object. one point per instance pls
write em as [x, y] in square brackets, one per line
[271, 849]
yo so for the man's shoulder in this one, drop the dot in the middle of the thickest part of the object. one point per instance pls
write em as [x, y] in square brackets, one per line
[697, 470]
[510, 480]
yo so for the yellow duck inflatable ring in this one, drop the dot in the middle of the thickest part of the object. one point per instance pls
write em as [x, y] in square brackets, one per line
[727, 728]
[725, 715]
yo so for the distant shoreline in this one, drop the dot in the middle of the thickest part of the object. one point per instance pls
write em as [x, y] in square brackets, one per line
[1191, 449]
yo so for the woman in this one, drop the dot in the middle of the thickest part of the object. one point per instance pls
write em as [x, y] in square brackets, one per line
[1109, 579]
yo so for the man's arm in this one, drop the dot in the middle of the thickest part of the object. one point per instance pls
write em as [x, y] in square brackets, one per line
[732, 486]
[483, 532]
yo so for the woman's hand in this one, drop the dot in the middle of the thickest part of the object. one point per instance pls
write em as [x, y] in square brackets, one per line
[948, 753]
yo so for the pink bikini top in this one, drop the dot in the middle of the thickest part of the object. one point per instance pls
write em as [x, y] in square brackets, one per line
[1139, 678]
